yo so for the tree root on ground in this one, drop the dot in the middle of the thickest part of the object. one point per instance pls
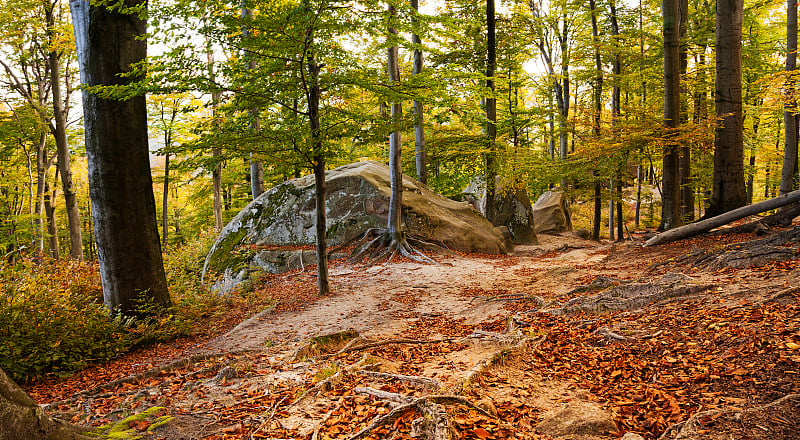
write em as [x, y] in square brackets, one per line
[376, 244]
[774, 247]
[435, 423]
[153, 372]
[425, 382]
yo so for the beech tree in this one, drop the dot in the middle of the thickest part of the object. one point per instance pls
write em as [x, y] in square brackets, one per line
[670, 190]
[790, 117]
[111, 42]
[728, 183]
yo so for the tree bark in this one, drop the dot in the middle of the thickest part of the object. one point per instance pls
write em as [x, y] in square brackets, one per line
[323, 285]
[728, 190]
[256, 167]
[597, 117]
[120, 183]
[670, 188]
[22, 419]
[686, 191]
[790, 118]
[708, 224]
[420, 153]
[393, 227]
[62, 148]
[216, 173]
[165, 202]
[50, 214]
[491, 113]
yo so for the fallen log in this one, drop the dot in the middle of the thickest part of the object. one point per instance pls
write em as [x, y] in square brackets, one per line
[706, 225]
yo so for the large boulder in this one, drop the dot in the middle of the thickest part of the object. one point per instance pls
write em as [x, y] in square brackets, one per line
[512, 208]
[357, 199]
[551, 213]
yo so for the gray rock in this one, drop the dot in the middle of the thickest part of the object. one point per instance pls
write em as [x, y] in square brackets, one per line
[551, 213]
[357, 199]
[512, 208]
[632, 436]
[578, 418]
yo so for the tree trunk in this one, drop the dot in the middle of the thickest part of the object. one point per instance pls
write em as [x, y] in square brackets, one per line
[216, 173]
[62, 148]
[256, 167]
[728, 190]
[598, 108]
[50, 214]
[710, 223]
[22, 419]
[420, 154]
[789, 170]
[323, 285]
[670, 187]
[120, 184]
[42, 165]
[491, 113]
[686, 190]
[393, 227]
[165, 202]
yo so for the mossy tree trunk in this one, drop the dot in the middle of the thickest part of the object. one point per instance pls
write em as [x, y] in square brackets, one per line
[22, 419]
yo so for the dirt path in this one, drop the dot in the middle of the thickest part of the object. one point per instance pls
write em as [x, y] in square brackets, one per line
[380, 301]
[473, 327]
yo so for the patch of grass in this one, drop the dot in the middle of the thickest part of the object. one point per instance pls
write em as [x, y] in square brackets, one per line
[326, 371]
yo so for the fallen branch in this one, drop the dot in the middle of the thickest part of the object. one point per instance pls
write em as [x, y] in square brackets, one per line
[706, 225]
[608, 334]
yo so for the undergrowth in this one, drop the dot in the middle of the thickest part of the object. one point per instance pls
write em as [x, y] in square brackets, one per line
[52, 318]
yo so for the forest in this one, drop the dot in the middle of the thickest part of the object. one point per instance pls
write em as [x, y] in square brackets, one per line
[132, 132]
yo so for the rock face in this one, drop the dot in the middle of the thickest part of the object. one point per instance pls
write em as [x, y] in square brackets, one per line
[357, 199]
[551, 213]
[512, 208]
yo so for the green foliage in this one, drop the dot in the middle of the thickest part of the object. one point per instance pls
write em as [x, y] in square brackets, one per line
[52, 318]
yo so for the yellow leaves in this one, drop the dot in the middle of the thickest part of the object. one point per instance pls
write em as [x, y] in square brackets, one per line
[792, 346]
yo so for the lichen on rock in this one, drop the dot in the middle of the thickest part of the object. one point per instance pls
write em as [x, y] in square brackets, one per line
[357, 199]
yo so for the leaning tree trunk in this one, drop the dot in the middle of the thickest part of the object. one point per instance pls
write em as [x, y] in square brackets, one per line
[22, 419]
[728, 183]
[710, 223]
[120, 185]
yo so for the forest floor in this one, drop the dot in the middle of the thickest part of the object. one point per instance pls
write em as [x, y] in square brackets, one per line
[565, 339]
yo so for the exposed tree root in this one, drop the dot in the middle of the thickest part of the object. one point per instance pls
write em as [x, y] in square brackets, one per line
[377, 244]
[327, 383]
[327, 416]
[368, 345]
[426, 382]
[427, 406]
[180, 363]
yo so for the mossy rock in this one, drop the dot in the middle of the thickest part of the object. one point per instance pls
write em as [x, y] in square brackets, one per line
[357, 199]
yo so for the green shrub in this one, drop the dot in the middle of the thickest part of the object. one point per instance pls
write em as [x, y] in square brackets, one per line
[52, 318]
